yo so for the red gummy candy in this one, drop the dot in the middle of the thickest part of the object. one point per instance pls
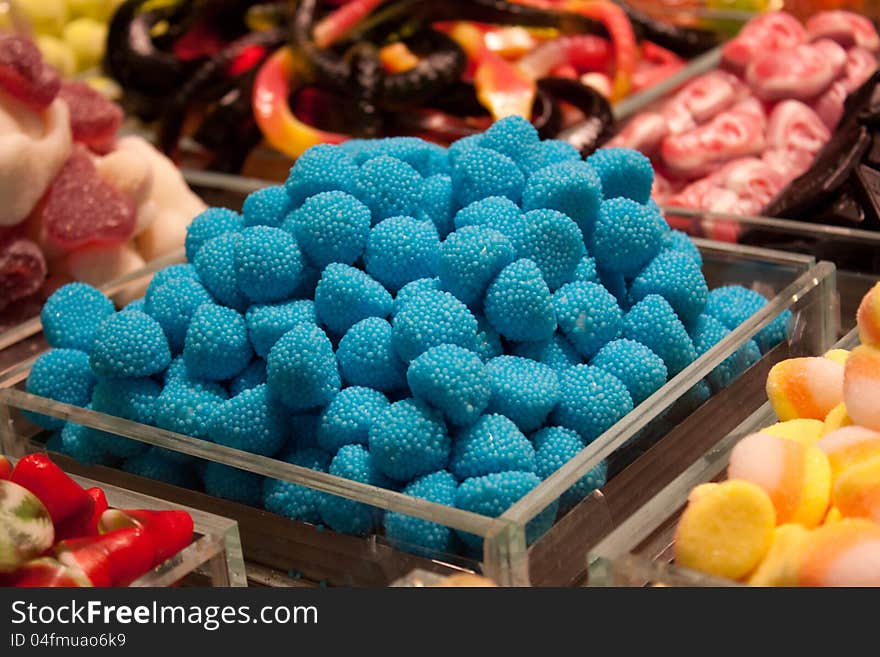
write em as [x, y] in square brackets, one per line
[80, 208]
[24, 74]
[22, 270]
[94, 119]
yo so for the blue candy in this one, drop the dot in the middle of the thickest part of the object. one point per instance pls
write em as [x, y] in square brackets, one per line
[488, 342]
[250, 377]
[207, 225]
[352, 462]
[129, 344]
[268, 264]
[461, 146]
[251, 421]
[321, 168]
[554, 243]
[572, 188]
[63, 375]
[588, 316]
[470, 258]
[233, 484]
[523, 390]
[346, 295]
[137, 304]
[77, 442]
[408, 440]
[591, 401]
[492, 444]
[519, 305]
[402, 249]
[676, 240]
[706, 333]
[557, 352]
[678, 279]
[266, 207]
[429, 319]
[637, 367]
[556, 446]
[514, 137]
[172, 273]
[293, 500]
[186, 410]
[348, 418]
[408, 531]
[451, 379]
[301, 369]
[494, 212]
[624, 172]
[155, 466]
[479, 172]
[216, 345]
[586, 271]
[732, 305]
[367, 357]
[436, 203]
[173, 304]
[627, 236]
[389, 187]
[72, 315]
[653, 322]
[412, 289]
[267, 323]
[331, 227]
[215, 264]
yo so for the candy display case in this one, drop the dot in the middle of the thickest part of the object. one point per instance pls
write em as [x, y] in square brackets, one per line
[639, 552]
[655, 441]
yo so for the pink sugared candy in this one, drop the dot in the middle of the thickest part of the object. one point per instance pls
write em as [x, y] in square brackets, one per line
[794, 126]
[94, 119]
[860, 64]
[800, 72]
[768, 32]
[861, 386]
[643, 133]
[22, 270]
[80, 208]
[23, 73]
[844, 27]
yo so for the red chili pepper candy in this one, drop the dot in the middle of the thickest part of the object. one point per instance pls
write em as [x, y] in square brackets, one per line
[46, 572]
[65, 499]
[5, 468]
[113, 559]
[171, 530]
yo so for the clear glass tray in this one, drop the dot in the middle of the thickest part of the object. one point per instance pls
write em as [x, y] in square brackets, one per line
[639, 550]
[665, 424]
[214, 558]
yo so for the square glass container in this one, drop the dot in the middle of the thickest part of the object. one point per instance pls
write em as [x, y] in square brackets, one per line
[639, 552]
[657, 440]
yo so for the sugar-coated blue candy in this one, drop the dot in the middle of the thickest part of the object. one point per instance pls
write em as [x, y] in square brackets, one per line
[429, 319]
[308, 281]
[706, 332]
[173, 304]
[293, 500]
[267, 323]
[178, 375]
[461, 146]
[588, 316]
[367, 356]
[153, 465]
[519, 305]
[388, 186]
[266, 207]
[556, 446]
[216, 345]
[572, 188]
[523, 390]
[616, 284]
[72, 315]
[732, 305]
[676, 240]
[343, 515]
[557, 352]
[303, 430]
[346, 295]
[181, 270]
[77, 443]
[470, 258]
[207, 225]
[63, 375]
[215, 264]
[301, 368]
[492, 494]
[627, 236]
[250, 377]
[514, 137]
[423, 156]
[586, 271]
[348, 418]
[321, 168]
[137, 304]
[131, 399]
[496, 212]
[481, 172]
[451, 379]
[233, 484]
[408, 531]
[641, 370]
[553, 242]
[436, 204]
[678, 279]
[653, 322]
[624, 172]
[330, 227]
[129, 344]
[492, 444]
[268, 264]
[409, 439]
[413, 288]
[488, 342]
[591, 401]
[401, 249]
[186, 410]
[252, 421]
[555, 151]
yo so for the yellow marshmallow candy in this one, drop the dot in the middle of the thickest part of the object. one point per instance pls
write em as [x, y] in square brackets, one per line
[838, 417]
[803, 431]
[849, 446]
[779, 567]
[805, 387]
[857, 491]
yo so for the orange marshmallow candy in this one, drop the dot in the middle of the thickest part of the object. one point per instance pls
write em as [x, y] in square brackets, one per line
[779, 567]
[861, 386]
[796, 476]
[868, 317]
[857, 491]
[849, 446]
[844, 553]
[805, 387]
